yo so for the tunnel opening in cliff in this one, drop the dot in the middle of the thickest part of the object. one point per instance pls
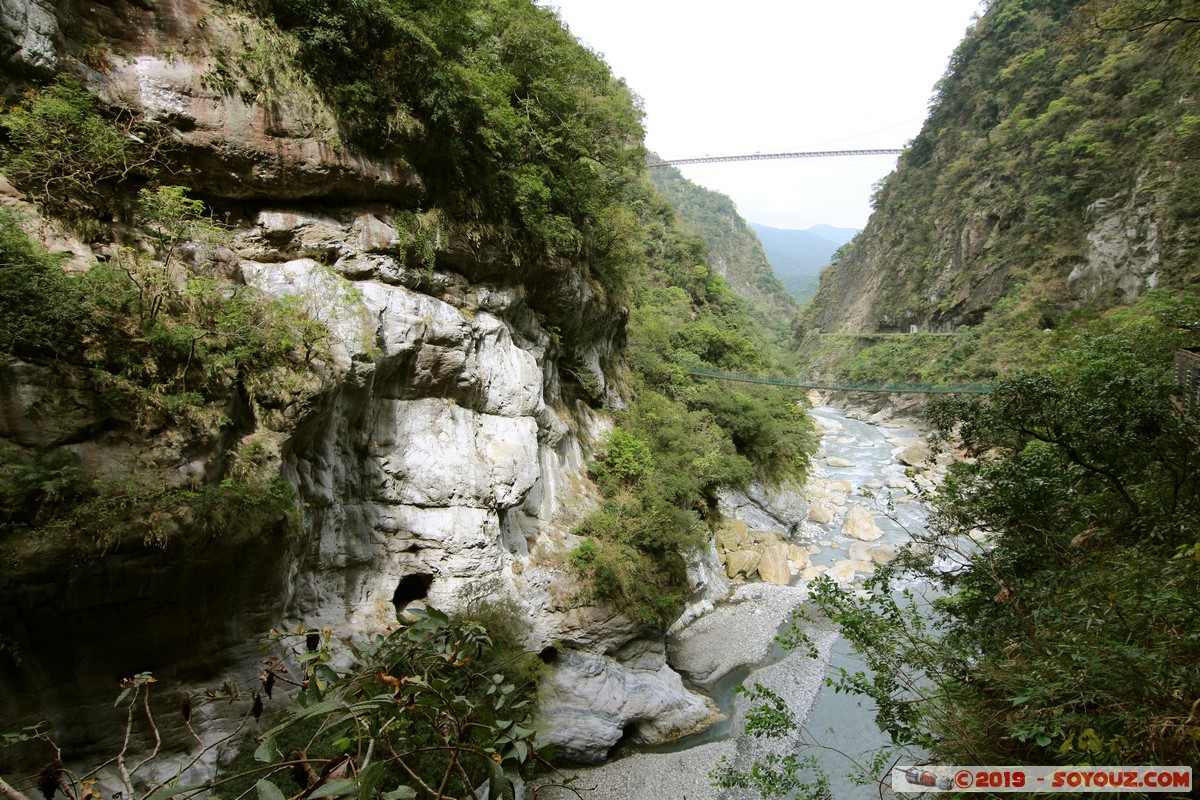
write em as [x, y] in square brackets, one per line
[410, 589]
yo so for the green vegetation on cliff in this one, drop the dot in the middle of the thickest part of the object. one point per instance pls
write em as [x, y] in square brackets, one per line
[1055, 179]
[510, 122]
[141, 354]
[684, 438]
[734, 251]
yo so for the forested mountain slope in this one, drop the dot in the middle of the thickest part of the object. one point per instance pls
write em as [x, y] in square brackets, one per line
[797, 257]
[735, 252]
[1055, 178]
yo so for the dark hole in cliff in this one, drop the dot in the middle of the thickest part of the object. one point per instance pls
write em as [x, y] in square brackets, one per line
[630, 736]
[549, 654]
[411, 587]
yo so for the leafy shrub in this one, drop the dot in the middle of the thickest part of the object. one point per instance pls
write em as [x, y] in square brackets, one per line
[44, 494]
[421, 706]
[156, 342]
[769, 427]
[625, 461]
[69, 157]
[42, 311]
[633, 556]
[421, 710]
[34, 485]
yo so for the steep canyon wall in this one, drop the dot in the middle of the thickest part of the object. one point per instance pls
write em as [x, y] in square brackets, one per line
[437, 445]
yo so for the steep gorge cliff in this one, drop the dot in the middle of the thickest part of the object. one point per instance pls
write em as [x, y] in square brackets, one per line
[735, 251]
[1055, 178]
[435, 440]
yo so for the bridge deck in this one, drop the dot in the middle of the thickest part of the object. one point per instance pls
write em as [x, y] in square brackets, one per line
[770, 156]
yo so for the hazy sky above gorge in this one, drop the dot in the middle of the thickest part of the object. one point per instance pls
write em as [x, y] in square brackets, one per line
[751, 76]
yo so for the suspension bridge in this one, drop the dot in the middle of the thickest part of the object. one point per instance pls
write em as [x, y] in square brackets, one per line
[844, 387]
[772, 156]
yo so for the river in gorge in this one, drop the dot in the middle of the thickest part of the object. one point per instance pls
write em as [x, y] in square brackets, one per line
[858, 465]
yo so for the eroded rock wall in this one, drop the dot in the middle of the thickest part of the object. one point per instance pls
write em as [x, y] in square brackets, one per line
[437, 442]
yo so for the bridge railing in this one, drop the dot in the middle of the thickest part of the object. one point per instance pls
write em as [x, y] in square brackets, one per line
[845, 387]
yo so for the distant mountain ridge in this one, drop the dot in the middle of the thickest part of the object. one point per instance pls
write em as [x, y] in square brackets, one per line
[798, 256]
[840, 236]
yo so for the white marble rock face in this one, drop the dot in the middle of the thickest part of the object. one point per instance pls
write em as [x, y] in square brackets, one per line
[463, 485]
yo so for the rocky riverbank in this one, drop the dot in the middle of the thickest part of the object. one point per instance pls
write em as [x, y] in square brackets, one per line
[833, 525]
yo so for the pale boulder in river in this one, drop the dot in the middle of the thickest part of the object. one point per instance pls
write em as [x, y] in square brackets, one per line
[860, 524]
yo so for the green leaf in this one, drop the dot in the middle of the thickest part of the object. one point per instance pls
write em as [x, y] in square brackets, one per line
[499, 786]
[268, 791]
[342, 787]
[267, 751]
[326, 706]
[167, 792]
[369, 778]
[401, 793]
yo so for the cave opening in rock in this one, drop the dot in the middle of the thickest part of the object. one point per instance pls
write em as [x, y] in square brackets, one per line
[411, 587]
[630, 736]
[548, 654]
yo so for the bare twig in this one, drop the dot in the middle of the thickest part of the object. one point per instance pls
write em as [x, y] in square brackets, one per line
[126, 779]
[396, 757]
[157, 737]
[9, 793]
[200, 754]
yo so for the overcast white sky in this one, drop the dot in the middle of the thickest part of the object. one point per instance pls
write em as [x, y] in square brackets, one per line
[748, 76]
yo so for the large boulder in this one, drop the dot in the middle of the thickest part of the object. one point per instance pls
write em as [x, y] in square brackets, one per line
[820, 515]
[732, 536]
[742, 562]
[590, 702]
[915, 455]
[860, 524]
[860, 551]
[773, 568]
[845, 571]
